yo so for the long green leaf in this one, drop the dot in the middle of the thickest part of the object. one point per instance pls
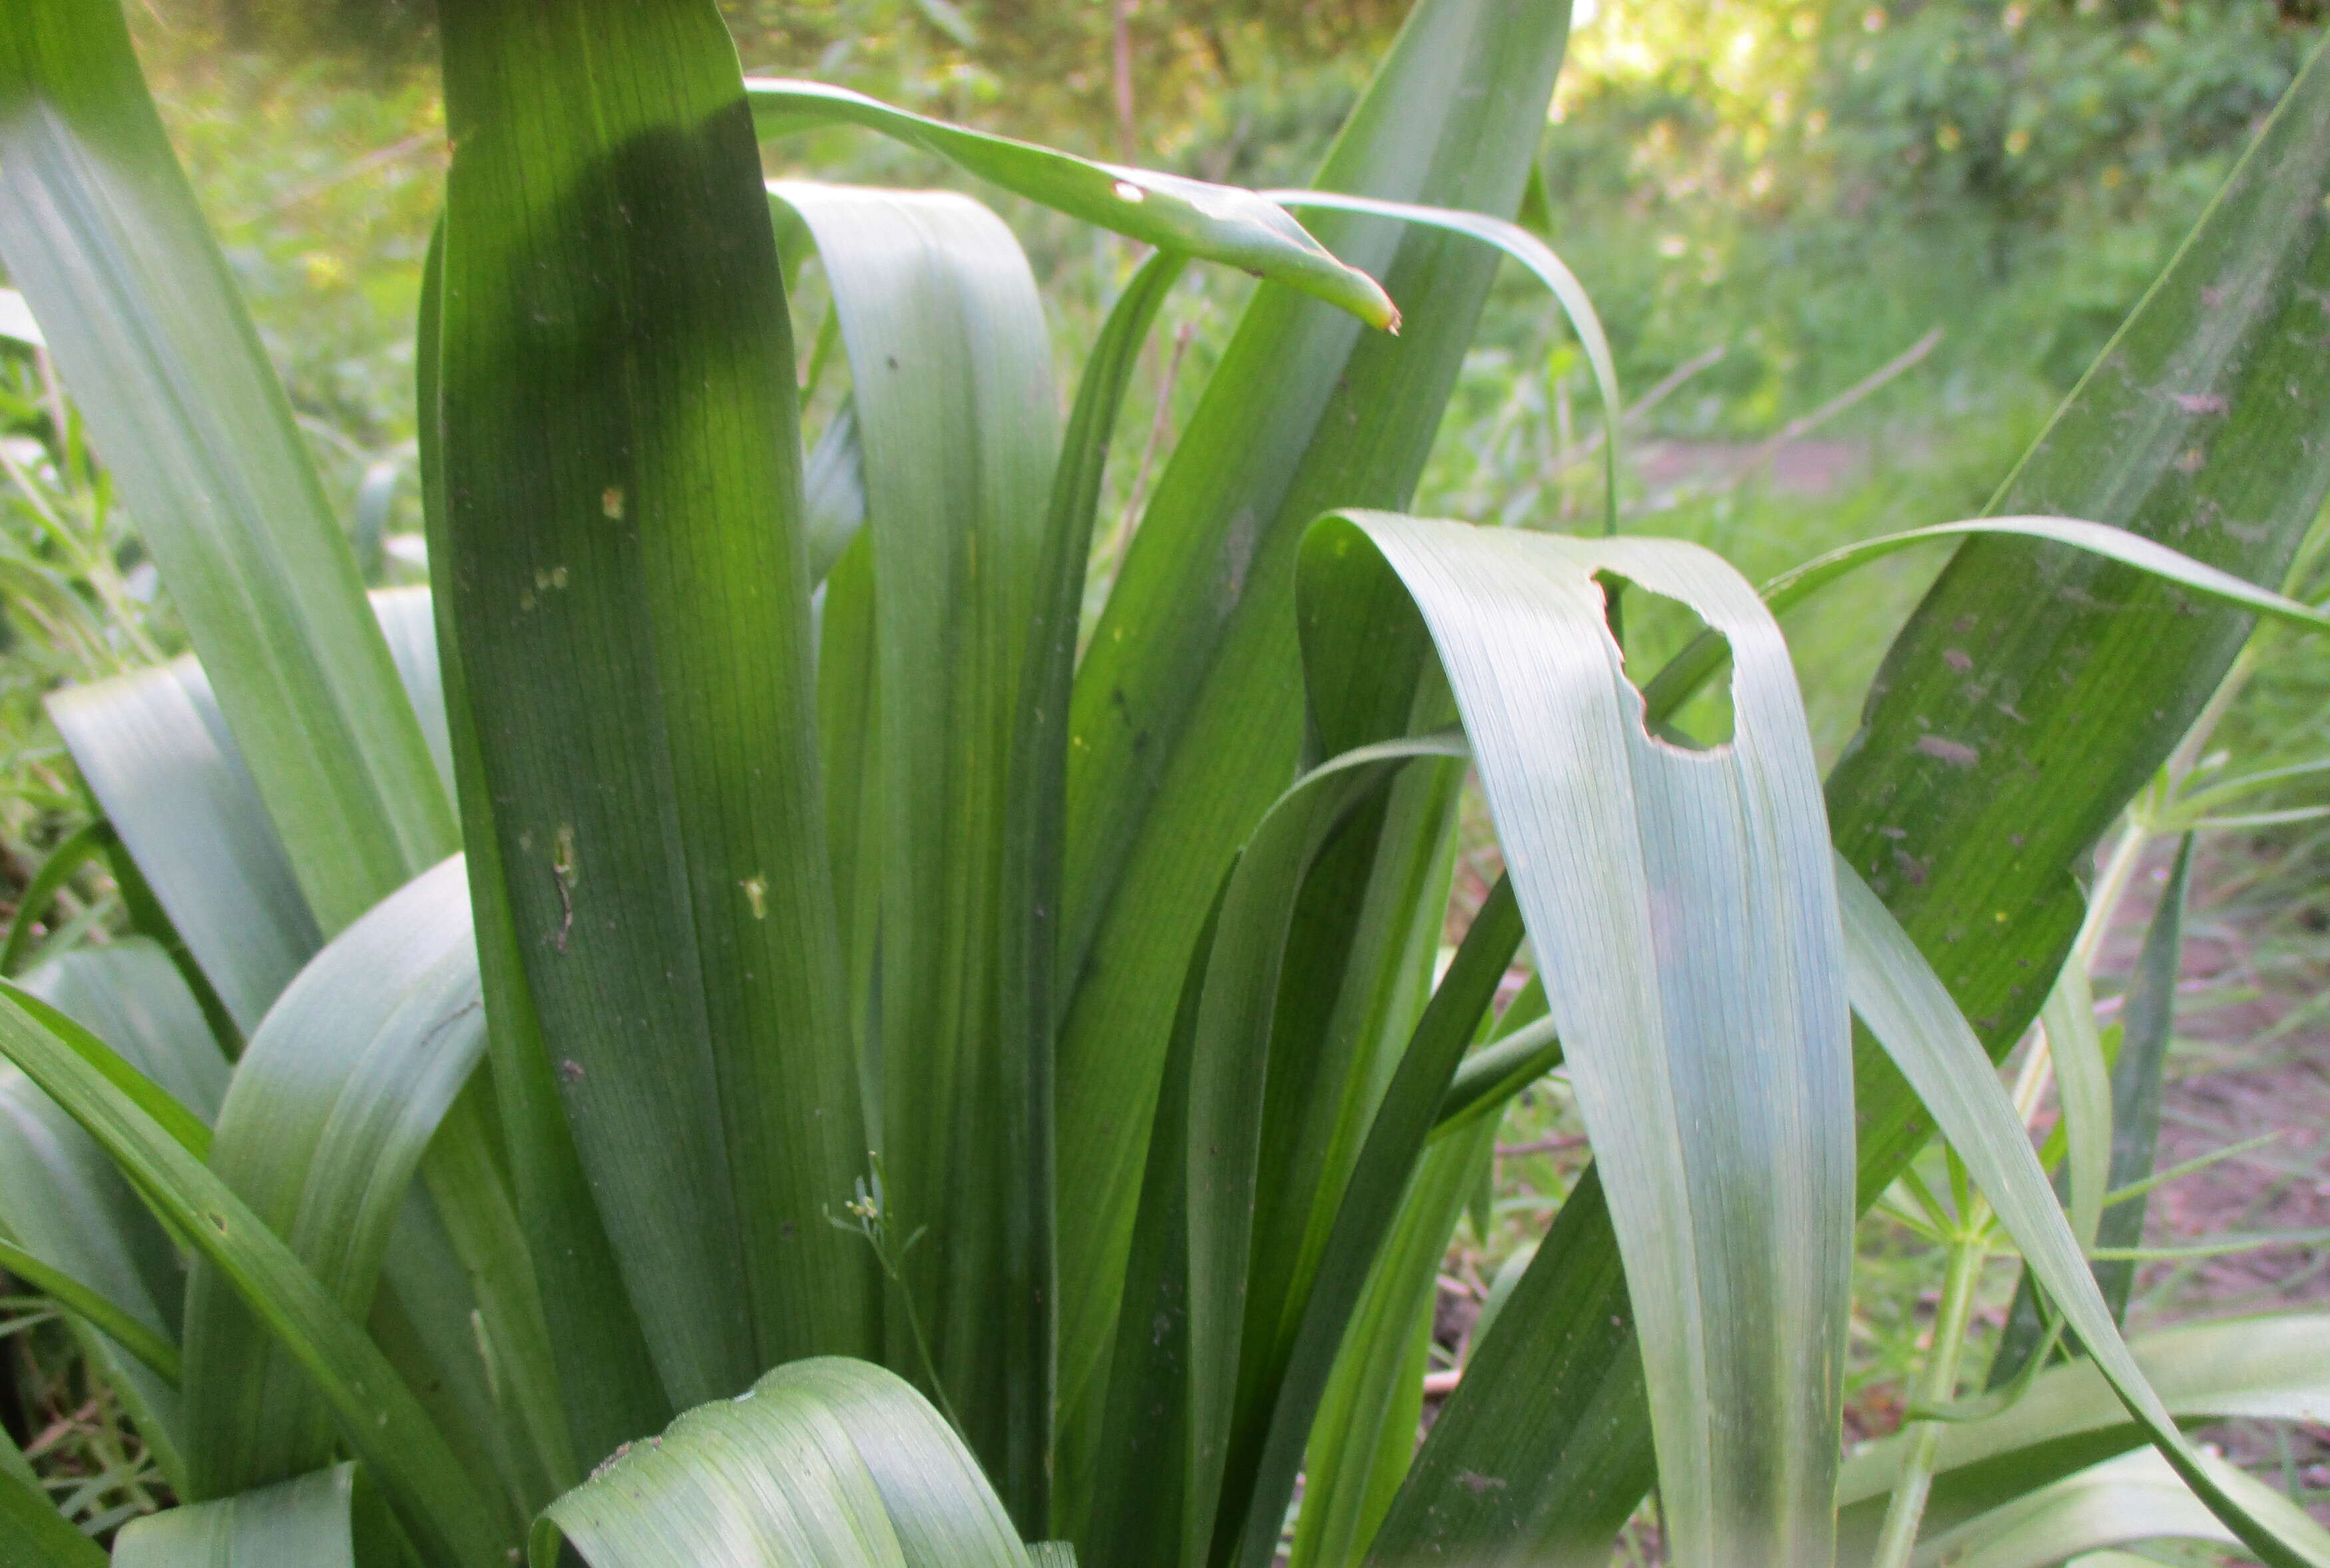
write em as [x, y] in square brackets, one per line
[378, 1419]
[629, 595]
[1359, 1446]
[2267, 1368]
[1367, 1218]
[607, 1378]
[1972, 793]
[116, 1322]
[1187, 217]
[130, 995]
[1034, 837]
[154, 750]
[1682, 675]
[100, 229]
[33, 1534]
[1192, 1245]
[1546, 267]
[824, 1462]
[2137, 1078]
[1897, 994]
[330, 1109]
[950, 375]
[1187, 703]
[2121, 1502]
[324, 1519]
[1703, 1022]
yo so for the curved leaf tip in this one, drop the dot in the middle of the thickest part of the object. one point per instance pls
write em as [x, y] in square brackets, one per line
[1171, 211]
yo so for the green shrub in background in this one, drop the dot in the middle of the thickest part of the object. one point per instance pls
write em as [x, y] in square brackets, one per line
[878, 1086]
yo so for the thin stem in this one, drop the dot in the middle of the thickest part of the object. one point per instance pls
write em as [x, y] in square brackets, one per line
[1940, 1382]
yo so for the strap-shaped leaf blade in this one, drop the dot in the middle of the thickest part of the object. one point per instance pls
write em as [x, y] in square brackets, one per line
[154, 751]
[1897, 994]
[100, 229]
[608, 1379]
[951, 373]
[330, 1113]
[621, 481]
[2273, 1368]
[1171, 211]
[382, 1423]
[1687, 934]
[2106, 672]
[1188, 707]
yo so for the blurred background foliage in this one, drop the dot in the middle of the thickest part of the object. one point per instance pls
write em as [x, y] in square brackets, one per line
[1850, 256]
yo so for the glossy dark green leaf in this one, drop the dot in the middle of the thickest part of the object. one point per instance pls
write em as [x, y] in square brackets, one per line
[630, 594]
[608, 1380]
[100, 229]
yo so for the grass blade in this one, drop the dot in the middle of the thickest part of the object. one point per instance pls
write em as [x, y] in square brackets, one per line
[100, 229]
[1187, 217]
[621, 474]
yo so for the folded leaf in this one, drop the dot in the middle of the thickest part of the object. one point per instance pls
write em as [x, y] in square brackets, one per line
[823, 1463]
[378, 1417]
[1692, 960]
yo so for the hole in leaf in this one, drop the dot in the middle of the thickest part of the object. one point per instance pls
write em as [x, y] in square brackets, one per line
[1651, 629]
